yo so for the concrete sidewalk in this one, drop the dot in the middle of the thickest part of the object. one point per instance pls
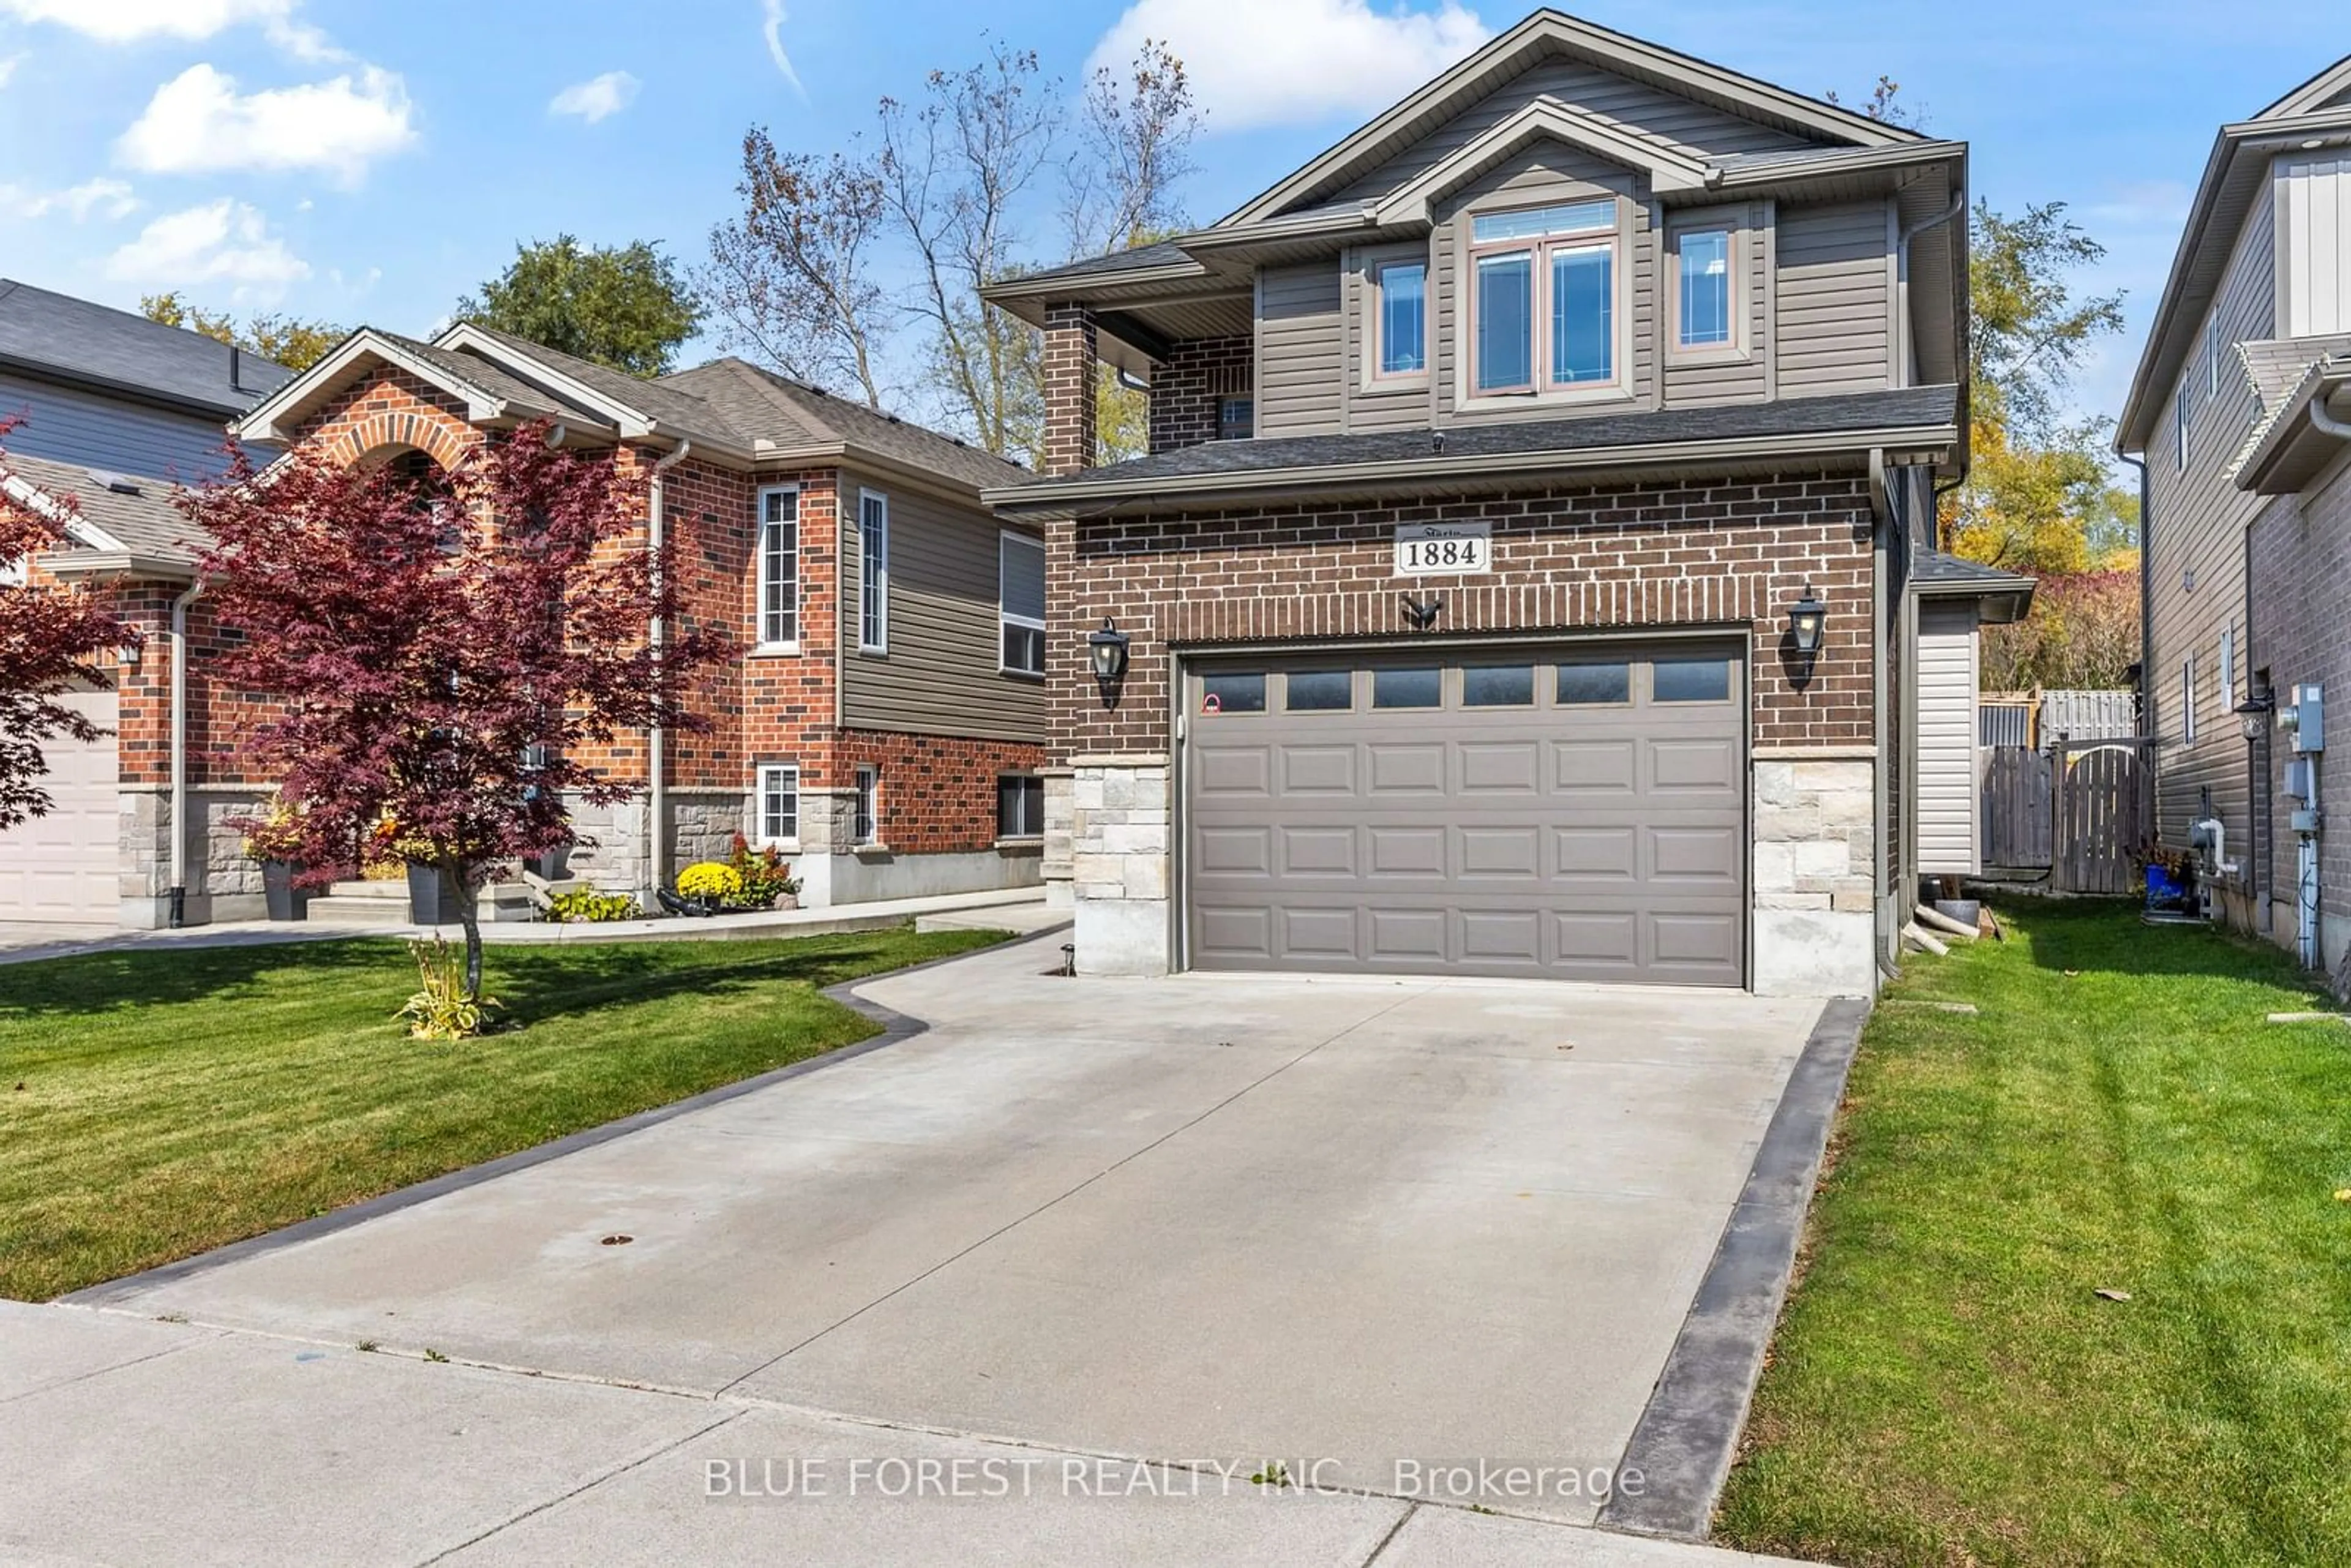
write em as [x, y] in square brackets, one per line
[127, 1440]
[1019, 909]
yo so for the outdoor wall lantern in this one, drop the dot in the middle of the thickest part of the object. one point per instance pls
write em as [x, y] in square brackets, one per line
[1106, 650]
[1806, 620]
[2253, 713]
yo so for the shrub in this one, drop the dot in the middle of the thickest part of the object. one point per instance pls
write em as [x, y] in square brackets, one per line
[275, 835]
[765, 876]
[587, 903]
[710, 879]
[441, 1010]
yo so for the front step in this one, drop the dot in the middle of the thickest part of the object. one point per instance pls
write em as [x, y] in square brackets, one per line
[361, 903]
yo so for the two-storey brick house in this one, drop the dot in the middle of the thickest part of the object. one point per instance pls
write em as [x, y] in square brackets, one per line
[1519, 580]
[2240, 416]
[881, 724]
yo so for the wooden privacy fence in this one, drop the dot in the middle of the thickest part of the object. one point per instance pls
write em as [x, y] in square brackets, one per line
[2044, 718]
[2080, 808]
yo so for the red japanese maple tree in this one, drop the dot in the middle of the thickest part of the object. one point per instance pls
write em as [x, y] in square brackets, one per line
[451, 651]
[52, 639]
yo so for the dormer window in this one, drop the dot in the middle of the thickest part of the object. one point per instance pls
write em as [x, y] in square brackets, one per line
[1543, 298]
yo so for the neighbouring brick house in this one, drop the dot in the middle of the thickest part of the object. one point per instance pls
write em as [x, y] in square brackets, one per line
[1504, 458]
[2240, 415]
[883, 718]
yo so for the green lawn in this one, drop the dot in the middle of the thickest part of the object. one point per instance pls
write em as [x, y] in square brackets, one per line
[154, 1104]
[1947, 1387]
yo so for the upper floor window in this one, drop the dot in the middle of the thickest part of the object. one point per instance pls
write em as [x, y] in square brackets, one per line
[779, 565]
[2212, 354]
[1401, 320]
[2318, 246]
[2188, 698]
[1704, 298]
[1020, 604]
[1236, 418]
[2182, 422]
[873, 572]
[1543, 297]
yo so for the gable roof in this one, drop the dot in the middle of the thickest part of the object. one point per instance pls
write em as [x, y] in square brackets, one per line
[2000, 597]
[638, 407]
[112, 515]
[1548, 34]
[2236, 177]
[117, 351]
[789, 419]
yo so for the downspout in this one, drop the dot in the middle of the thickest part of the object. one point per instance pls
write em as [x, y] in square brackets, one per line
[1887, 937]
[657, 738]
[1902, 264]
[179, 894]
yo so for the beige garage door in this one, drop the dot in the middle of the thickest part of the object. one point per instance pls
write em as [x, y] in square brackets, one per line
[62, 867]
[1564, 813]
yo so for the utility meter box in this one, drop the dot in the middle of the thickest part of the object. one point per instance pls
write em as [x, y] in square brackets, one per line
[2307, 719]
[2298, 781]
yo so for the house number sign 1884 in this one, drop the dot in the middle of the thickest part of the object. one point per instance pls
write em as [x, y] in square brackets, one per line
[1425, 549]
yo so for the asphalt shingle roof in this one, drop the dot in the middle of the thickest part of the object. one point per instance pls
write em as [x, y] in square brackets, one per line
[139, 514]
[1934, 569]
[74, 338]
[659, 399]
[1905, 408]
[1165, 253]
[768, 407]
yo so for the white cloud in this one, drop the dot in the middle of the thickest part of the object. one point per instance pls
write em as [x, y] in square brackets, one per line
[1284, 62]
[222, 241]
[597, 97]
[109, 198]
[198, 123]
[772, 27]
[8, 68]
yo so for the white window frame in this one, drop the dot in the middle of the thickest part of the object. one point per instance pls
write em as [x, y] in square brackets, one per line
[1024, 780]
[872, 573]
[1733, 227]
[1007, 540]
[2212, 354]
[2182, 428]
[762, 642]
[788, 774]
[1375, 271]
[2188, 699]
[2229, 669]
[1540, 249]
[866, 802]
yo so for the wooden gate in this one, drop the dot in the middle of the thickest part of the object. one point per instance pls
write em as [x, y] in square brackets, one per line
[2103, 809]
[2019, 803]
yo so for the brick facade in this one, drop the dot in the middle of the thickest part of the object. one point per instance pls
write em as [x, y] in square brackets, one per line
[1187, 387]
[1728, 554]
[1070, 417]
[2300, 558]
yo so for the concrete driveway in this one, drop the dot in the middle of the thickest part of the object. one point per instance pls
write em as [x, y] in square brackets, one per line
[1354, 1225]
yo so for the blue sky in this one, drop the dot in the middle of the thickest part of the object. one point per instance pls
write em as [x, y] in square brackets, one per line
[370, 161]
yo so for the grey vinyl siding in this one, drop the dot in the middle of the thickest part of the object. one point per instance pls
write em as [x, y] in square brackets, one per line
[1676, 121]
[1300, 358]
[1947, 786]
[68, 425]
[1834, 315]
[941, 673]
[1749, 380]
[2196, 532]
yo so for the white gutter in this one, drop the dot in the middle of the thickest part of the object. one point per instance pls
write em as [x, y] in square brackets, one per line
[657, 738]
[179, 894]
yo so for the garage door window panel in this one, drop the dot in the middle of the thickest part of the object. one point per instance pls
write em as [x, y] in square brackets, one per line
[1232, 692]
[1497, 685]
[1691, 681]
[1595, 686]
[1407, 689]
[1318, 691]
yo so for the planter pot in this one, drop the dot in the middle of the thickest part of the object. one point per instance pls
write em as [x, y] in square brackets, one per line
[432, 896]
[788, 901]
[285, 901]
[554, 865]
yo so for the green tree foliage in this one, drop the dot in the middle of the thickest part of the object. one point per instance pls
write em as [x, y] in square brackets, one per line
[628, 307]
[288, 340]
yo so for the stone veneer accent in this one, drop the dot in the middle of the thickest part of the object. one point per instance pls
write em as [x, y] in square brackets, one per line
[1813, 884]
[1121, 815]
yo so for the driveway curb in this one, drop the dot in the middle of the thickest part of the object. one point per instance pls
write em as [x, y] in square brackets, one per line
[1689, 1434]
[895, 1027]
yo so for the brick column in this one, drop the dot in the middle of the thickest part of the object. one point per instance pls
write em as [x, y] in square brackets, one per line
[1070, 442]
